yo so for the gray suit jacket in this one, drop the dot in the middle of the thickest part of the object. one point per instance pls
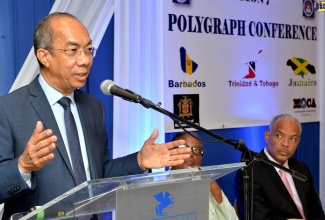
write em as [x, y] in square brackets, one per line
[19, 112]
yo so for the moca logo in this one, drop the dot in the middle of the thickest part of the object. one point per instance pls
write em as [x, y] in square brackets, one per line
[304, 103]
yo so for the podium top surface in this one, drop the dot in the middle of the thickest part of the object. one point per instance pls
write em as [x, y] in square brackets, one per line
[104, 190]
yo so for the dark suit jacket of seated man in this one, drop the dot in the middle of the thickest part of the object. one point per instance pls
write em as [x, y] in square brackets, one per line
[271, 199]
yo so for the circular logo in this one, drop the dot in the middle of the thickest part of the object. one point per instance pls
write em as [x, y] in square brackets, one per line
[308, 8]
[303, 103]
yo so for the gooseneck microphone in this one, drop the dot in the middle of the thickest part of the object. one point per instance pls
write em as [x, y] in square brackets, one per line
[108, 87]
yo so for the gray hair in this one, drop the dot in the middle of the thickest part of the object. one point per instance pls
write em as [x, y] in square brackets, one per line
[181, 134]
[284, 116]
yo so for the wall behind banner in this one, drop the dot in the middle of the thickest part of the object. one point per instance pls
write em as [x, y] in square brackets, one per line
[18, 20]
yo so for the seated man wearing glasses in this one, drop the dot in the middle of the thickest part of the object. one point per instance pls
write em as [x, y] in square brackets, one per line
[219, 206]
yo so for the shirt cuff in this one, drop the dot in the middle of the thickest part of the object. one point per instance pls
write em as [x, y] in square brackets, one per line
[26, 177]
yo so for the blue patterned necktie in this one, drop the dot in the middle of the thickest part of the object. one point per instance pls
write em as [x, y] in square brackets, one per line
[73, 140]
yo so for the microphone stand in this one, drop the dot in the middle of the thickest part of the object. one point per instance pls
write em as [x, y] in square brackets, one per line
[250, 159]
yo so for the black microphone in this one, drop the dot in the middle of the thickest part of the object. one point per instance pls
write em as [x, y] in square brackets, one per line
[108, 87]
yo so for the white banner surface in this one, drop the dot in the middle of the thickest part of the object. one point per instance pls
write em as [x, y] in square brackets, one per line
[238, 63]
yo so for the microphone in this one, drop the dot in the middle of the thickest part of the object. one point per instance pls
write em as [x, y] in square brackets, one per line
[108, 87]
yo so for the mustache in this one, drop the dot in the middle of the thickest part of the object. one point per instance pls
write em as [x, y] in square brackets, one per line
[285, 149]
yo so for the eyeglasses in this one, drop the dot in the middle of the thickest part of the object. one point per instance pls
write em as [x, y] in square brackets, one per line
[73, 53]
[196, 149]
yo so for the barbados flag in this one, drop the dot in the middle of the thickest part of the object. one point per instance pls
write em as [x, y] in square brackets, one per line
[187, 64]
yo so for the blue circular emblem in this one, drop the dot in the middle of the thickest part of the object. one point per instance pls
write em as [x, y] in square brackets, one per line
[308, 8]
[303, 103]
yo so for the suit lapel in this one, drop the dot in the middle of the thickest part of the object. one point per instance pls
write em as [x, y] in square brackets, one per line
[299, 187]
[84, 111]
[41, 105]
[278, 184]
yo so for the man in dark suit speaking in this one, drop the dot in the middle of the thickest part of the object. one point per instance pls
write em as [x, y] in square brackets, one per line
[276, 194]
[53, 135]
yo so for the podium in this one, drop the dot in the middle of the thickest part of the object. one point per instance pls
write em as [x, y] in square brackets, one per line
[175, 194]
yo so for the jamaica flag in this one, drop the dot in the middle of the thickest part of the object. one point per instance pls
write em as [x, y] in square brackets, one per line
[300, 66]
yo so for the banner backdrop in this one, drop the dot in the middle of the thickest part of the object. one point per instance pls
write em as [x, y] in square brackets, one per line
[238, 63]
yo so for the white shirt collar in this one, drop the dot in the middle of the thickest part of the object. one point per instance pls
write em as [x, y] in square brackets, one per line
[273, 160]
